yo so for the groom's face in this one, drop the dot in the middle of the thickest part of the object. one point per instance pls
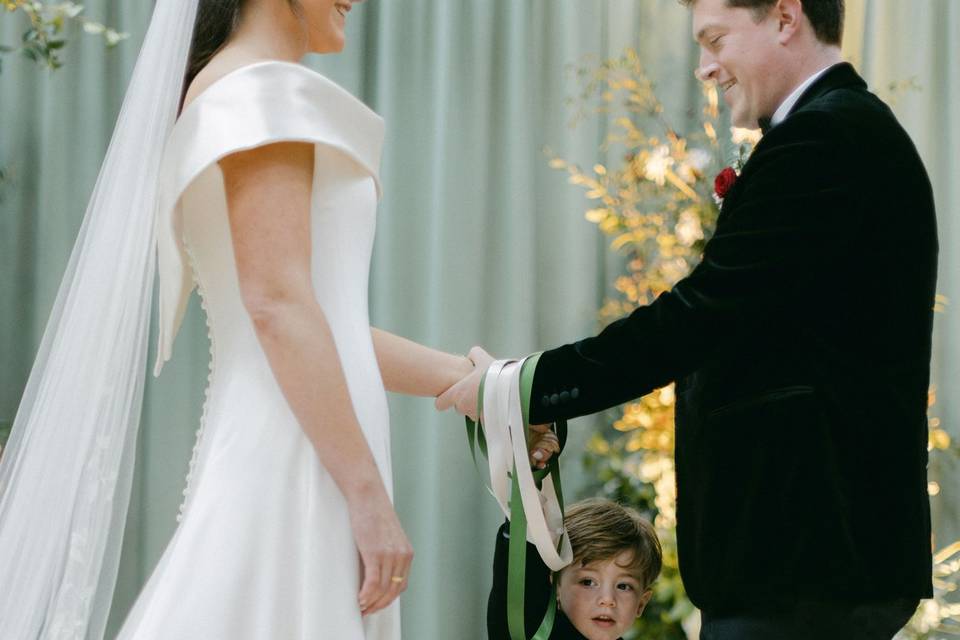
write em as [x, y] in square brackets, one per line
[741, 54]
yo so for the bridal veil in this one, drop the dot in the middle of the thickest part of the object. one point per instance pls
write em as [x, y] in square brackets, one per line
[66, 474]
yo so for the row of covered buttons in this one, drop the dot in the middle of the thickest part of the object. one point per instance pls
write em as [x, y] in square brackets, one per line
[560, 398]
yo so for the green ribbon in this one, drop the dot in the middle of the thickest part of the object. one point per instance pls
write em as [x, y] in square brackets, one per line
[517, 551]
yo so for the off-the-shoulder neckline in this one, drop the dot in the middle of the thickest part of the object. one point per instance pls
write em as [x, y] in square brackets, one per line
[262, 63]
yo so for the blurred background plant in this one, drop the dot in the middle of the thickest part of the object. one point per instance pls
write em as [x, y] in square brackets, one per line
[939, 617]
[655, 202]
[46, 27]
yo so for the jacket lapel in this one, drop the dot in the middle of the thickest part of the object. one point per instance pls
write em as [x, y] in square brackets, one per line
[838, 76]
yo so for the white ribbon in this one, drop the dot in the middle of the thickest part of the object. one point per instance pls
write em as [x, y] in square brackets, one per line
[506, 437]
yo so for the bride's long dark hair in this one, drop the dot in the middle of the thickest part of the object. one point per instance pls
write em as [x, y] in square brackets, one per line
[216, 22]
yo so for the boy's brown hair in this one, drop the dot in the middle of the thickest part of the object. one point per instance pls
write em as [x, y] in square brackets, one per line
[601, 529]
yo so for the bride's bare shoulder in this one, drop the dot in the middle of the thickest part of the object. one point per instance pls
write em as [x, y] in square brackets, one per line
[225, 62]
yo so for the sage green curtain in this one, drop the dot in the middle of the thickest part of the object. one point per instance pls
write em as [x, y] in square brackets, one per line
[478, 241]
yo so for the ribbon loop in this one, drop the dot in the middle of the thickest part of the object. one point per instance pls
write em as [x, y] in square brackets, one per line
[533, 502]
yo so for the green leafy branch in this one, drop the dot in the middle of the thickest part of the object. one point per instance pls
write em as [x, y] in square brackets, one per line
[44, 38]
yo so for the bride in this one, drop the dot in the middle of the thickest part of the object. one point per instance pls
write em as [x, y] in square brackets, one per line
[263, 195]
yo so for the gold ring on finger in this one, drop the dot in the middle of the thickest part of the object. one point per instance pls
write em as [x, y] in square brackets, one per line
[397, 579]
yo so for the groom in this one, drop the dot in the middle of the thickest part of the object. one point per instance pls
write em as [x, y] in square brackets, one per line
[800, 347]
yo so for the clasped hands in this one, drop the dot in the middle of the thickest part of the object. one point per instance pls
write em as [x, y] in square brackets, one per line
[542, 442]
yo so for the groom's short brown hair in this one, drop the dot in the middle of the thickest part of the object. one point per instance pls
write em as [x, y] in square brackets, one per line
[601, 529]
[826, 16]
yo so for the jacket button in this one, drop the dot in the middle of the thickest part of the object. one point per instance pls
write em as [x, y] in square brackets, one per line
[555, 399]
[565, 397]
[545, 401]
[575, 393]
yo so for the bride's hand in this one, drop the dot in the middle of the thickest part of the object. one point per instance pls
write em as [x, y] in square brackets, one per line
[463, 395]
[385, 552]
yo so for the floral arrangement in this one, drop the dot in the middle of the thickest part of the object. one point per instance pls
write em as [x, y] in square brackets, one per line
[658, 203]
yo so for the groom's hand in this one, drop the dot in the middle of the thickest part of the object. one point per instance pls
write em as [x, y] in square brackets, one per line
[463, 395]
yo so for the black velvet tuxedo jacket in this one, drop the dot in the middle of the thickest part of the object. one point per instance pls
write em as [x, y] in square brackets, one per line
[801, 349]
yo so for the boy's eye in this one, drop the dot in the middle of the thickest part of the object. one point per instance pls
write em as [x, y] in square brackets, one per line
[714, 41]
[625, 586]
[586, 582]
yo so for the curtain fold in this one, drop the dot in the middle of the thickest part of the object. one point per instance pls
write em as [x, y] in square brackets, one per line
[478, 240]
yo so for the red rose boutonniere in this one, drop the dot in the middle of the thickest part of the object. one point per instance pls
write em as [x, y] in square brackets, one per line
[723, 183]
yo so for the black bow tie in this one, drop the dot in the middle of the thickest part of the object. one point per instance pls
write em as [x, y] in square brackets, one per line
[765, 124]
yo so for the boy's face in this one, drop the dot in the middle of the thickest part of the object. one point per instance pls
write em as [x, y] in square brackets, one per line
[602, 599]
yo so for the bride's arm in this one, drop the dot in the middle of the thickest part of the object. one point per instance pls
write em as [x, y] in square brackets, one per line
[413, 369]
[268, 196]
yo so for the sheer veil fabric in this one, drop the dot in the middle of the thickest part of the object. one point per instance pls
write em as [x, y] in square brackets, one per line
[66, 474]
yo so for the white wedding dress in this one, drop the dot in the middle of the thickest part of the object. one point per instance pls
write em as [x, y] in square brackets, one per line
[264, 548]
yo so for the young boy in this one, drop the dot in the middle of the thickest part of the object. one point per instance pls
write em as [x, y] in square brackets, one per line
[616, 558]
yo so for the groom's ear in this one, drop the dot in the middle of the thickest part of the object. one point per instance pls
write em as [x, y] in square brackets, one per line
[788, 14]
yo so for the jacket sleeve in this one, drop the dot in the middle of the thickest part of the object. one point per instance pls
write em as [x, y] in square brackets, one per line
[791, 205]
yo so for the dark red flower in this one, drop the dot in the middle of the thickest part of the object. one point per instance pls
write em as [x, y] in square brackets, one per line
[724, 182]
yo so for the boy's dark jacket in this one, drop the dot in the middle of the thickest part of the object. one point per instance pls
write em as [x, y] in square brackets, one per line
[538, 592]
